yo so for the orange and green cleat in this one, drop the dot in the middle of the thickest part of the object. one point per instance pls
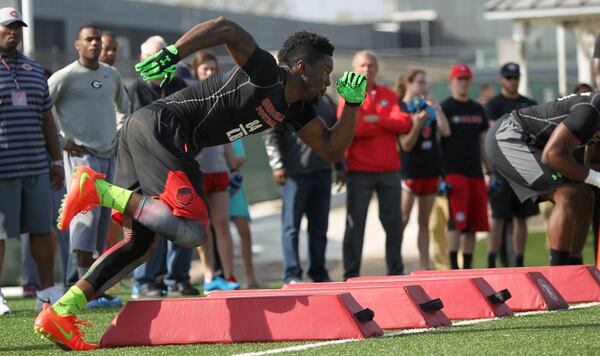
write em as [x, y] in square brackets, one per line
[81, 198]
[62, 330]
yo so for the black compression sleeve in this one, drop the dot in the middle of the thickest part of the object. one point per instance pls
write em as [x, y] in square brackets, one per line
[583, 121]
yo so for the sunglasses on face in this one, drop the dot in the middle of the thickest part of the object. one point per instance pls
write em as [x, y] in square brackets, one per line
[511, 78]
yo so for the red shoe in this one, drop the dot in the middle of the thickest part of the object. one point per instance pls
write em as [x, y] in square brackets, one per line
[62, 330]
[81, 198]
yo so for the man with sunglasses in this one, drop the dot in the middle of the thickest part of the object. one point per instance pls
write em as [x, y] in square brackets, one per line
[505, 204]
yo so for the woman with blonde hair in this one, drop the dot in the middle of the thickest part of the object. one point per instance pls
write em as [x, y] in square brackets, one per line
[421, 161]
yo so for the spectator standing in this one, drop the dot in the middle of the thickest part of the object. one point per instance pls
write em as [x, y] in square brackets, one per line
[110, 48]
[29, 279]
[505, 204]
[168, 268]
[240, 214]
[85, 94]
[462, 155]
[28, 136]
[215, 163]
[305, 180]
[373, 165]
[420, 155]
[108, 55]
[486, 93]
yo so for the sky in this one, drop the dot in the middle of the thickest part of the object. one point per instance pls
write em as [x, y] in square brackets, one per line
[307, 10]
[328, 11]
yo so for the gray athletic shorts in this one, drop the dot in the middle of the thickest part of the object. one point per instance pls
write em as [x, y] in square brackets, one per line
[25, 206]
[88, 232]
[520, 164]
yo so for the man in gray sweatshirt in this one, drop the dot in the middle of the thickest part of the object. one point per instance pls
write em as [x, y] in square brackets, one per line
[305, 179]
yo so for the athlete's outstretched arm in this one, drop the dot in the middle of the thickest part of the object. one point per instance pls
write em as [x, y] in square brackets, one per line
[239, 43]
[330, 144]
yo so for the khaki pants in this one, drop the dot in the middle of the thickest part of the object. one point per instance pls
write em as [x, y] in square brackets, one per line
[438, 222]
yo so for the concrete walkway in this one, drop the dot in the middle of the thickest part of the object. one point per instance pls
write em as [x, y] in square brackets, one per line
[268, 255]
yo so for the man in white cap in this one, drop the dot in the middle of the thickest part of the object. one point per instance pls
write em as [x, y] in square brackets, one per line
[27, 137]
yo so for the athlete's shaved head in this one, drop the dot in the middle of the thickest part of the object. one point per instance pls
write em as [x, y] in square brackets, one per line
[304, 45]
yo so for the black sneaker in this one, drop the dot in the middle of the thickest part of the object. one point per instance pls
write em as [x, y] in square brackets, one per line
[182, 289]
[145, 291]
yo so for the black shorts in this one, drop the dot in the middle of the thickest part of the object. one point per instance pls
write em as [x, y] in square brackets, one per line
[152, 160]
[505, 203]
[519, 163]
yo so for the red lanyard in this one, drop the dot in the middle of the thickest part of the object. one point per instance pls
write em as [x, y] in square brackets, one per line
[13, 72]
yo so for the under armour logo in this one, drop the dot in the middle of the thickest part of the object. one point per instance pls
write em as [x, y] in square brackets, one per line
[556, 176]
[165, 60]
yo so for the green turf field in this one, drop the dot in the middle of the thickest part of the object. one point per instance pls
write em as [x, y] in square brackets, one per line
[573, 332]
[536, 251]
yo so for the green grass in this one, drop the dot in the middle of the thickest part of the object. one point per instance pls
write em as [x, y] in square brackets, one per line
[536, 251]
[574, 331]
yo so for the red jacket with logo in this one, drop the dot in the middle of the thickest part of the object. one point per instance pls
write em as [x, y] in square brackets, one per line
[374, 147]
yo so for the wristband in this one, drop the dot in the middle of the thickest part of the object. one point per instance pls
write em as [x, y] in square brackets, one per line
[353, 105]
[593, 178]
[58, 162]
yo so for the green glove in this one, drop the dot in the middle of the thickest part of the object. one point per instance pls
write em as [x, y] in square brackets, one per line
[159, 65]
[352, 87]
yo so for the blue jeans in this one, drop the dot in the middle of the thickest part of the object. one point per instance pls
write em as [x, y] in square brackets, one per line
[308, 194]
[178, 264]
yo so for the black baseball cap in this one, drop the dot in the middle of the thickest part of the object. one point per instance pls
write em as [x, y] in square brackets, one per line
[510, 70]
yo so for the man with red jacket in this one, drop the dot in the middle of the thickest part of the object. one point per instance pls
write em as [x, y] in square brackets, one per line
[373, 164]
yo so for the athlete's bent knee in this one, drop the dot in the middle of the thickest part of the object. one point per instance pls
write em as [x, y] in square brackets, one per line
[190, 233]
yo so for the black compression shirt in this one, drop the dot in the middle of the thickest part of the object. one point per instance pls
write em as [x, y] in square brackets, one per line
[579, 112]
[243, 101]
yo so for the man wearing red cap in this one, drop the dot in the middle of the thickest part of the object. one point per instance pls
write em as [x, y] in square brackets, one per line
[462, 155]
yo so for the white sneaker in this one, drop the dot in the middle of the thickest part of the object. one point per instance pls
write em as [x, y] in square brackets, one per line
[49, 295]
[4, 309]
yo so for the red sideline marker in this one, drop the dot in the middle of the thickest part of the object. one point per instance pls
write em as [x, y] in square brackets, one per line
[577, 284]
[463, 298]
[228, 320]
[530, 291]
[395, 307]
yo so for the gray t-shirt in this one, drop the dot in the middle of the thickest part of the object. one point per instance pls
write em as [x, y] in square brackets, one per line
[85, 101]
[212, 159]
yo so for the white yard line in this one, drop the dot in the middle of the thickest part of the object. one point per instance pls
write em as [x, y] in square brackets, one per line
[402, 332]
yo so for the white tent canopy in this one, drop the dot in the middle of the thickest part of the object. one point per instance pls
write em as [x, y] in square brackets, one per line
[580, 16]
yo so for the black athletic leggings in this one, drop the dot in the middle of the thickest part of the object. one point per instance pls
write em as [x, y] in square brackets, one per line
[123, 258]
